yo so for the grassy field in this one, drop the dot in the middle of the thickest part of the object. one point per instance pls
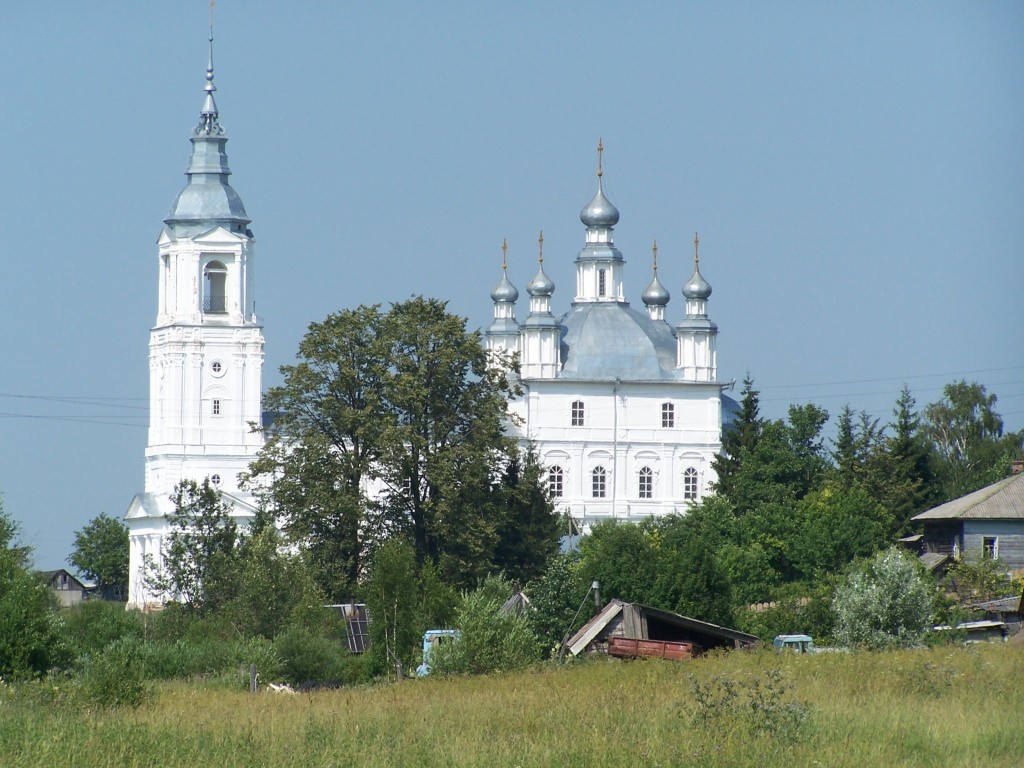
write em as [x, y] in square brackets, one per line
[941, 707]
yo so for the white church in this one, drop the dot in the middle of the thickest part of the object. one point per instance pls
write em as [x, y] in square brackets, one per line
[624, 409]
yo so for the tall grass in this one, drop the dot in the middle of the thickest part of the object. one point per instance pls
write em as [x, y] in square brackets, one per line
[937, 707]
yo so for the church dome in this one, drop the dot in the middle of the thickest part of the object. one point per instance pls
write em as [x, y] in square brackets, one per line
[613, 341]
[208, 200]
[599, 212]
[655, 294]
[541, 285]
[697, 287]
[504, 291]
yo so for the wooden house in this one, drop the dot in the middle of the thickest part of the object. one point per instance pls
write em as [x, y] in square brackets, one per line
[678, 636]
[69, 590]
[988, 523]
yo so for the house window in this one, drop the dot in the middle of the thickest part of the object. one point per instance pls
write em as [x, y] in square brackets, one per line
[602, 282]
[215, 406]
[577, 413]
[668, 415]
[556, 480]
[690, 484]
[990, 548]
[598, 483]
[646, 483]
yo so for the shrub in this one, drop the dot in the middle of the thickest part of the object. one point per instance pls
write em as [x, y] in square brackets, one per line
[95, 624]
[488, 641]
[886, 604]
[305, 657]
[115, 677]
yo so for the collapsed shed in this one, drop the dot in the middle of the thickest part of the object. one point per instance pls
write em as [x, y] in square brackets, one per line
[632, 629]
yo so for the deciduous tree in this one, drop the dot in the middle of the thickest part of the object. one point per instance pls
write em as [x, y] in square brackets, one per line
[101, 552]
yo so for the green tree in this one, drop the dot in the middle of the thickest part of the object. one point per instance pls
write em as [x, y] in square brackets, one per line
[622, 558]
[786, 463]
[886, 603]
[404, 600]
[101, 553]
[200, 559]
[968, 438]
[30, 638]
[739, 438]
[689, 580]
[325, 438]
[556, 598]
[403, 400]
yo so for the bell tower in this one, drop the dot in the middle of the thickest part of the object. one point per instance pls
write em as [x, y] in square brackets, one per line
[205, 349]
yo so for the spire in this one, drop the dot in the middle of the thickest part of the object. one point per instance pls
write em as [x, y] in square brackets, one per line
[208, 123]
[208, 199]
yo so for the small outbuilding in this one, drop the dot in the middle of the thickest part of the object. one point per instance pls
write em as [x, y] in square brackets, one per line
[677, 636]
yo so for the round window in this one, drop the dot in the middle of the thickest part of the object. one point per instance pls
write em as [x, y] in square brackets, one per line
[217, 368]
[215, 480]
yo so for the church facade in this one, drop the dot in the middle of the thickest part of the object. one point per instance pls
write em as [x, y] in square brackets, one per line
[624, 410]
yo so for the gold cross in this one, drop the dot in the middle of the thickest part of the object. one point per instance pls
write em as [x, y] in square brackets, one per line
[540, 244]
[504, 253]
[654, 250]
[600, 152]
[696, 245]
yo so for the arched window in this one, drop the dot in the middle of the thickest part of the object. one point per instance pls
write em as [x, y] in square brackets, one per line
[602, 282]
[556, 482]
[690, 484]
[214, 284]
[598, 483]
[645, 489]
[668, 415]
[577, 413]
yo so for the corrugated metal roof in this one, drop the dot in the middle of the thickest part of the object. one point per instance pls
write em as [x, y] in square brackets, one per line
[1000, 501]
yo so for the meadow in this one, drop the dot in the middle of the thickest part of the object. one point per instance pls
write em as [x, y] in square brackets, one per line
[951, 706]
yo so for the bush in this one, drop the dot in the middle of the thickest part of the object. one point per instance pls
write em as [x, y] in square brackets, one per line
[30, 631]
[886, 604]
[488, 641]
[116, 677]
[308, 657]
[95, 624]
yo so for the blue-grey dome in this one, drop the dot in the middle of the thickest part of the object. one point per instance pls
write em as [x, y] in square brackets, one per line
[541, 285]
[505, 291]
[697, 287]
[599, 212]
[207, 200]
[613, 341]
[655, 294]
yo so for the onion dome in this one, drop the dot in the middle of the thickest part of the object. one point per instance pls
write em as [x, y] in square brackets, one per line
[541, 285]
[599, 212]
[504, 291]
[655, 294]
[696, 287]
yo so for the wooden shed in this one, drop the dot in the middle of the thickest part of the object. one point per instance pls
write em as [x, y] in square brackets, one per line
[636, 622]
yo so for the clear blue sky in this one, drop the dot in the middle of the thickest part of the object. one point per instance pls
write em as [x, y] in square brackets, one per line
[855, 171]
